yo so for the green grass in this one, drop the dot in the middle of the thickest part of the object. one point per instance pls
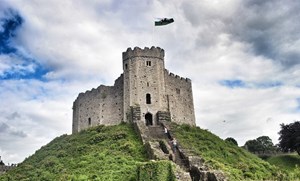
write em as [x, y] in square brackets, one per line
[235, 162]
[290, 163]
[287, 162]
[116, 153]
[100, 153]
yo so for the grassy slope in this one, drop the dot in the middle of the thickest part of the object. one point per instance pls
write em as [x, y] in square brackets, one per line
[237, 163]
[116, 153]
[286, 162]
[100, 153]
[290, 163]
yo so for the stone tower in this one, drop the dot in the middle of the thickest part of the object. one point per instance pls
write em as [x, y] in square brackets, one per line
[145, 92]
[144, 82]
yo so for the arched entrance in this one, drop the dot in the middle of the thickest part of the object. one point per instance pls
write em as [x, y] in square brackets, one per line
[149, 119]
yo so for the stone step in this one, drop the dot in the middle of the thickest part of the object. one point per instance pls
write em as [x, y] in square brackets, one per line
[156, 132]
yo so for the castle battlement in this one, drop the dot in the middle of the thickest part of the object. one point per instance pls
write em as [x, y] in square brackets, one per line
[145, 91]
[172, 75]
[153, 52]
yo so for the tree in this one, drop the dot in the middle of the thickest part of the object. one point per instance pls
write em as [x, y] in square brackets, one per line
[265, 143]
[252, 146]
[289, 139]
[231, 140]
[261, 144]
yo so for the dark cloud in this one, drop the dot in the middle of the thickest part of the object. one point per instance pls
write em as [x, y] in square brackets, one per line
[270, 27]
[6, 129]
[257, 2]
[3, 127]
[14, 115]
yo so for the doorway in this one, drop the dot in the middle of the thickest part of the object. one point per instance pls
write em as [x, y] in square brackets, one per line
[149, 119]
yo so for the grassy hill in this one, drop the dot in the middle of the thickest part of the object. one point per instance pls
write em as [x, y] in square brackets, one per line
[289, 162]
[100, 153]
[237, 163]
[117, 153]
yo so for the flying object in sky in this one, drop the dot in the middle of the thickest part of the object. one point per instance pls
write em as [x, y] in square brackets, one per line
[164, 21]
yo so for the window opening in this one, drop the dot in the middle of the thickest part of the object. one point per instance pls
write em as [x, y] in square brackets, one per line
[126, 66]
[90, 121]
[148, 63]
[148, 99]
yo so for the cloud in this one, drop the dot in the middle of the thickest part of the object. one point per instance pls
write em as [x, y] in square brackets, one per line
[9, 25]
[242, 57]
[3, 127]
[270, 28]
[6, 129]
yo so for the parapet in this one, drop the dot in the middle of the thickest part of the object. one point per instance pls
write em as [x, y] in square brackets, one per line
[174, 76]
[153, 52]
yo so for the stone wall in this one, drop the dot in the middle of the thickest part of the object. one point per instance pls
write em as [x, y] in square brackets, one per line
[144, 74]
[145, 83]
[180, 99]
[103, 105]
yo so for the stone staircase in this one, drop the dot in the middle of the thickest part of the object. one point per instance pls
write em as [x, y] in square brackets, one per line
[156, 132]
[159, 147]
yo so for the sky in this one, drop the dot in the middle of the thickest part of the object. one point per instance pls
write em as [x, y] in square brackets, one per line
[243, 57]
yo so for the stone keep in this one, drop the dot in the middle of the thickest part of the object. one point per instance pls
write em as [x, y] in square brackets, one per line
[146, 92]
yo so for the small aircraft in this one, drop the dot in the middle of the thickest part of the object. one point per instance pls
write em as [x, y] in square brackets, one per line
[163, 21]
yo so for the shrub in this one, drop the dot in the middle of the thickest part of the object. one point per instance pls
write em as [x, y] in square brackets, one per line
[156, 170]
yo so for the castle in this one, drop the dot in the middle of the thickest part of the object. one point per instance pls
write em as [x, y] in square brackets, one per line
[145, 92]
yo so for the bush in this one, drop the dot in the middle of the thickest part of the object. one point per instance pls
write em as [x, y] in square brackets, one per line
[156, 170]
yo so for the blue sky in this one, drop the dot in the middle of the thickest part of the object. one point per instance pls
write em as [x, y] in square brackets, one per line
[242, 57]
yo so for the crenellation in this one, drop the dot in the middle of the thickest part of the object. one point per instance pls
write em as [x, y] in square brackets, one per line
[182, 79]
[144, 84]
[154, 52]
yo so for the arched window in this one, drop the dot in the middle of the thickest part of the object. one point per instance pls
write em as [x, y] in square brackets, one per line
[148, 99]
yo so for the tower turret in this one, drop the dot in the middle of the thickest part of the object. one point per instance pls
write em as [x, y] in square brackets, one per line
[144, 81]
[145, 92]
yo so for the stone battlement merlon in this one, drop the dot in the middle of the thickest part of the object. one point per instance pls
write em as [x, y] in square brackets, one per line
[100, 88]
[93, 91]
[153, 52]
[144, 83]
[178, 77]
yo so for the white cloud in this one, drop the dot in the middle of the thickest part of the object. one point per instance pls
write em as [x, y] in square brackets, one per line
[81, 44]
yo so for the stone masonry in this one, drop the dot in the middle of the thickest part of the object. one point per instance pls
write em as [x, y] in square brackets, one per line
[145, 92]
